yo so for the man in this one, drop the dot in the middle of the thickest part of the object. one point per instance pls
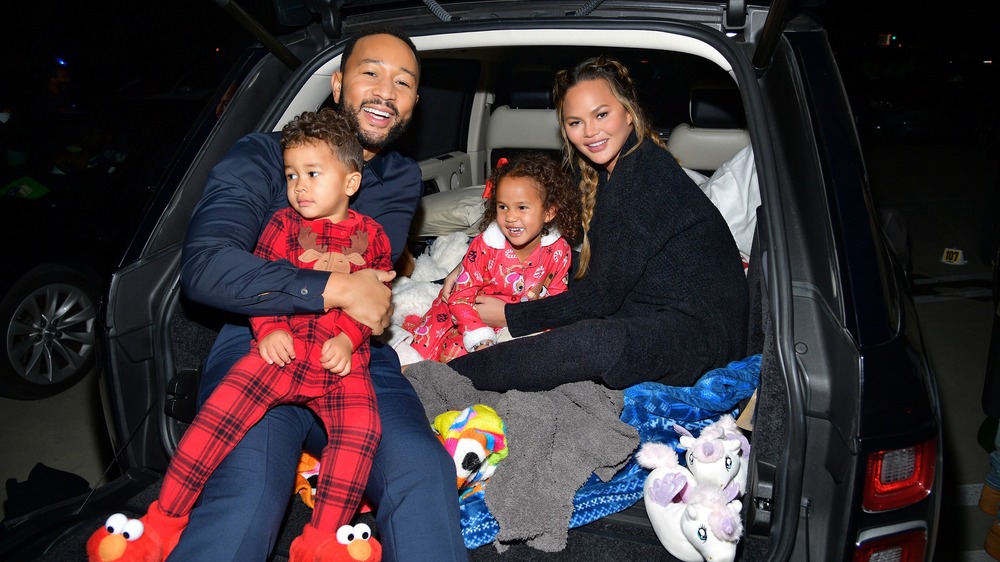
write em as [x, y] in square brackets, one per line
[413, 480]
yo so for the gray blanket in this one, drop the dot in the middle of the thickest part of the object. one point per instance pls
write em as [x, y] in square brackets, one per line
[557, 438]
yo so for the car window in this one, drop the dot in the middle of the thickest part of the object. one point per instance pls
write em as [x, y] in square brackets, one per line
[663, 78]
[441, 118]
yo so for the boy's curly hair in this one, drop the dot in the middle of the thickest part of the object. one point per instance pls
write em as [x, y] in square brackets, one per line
[556, 187]
[328, 126]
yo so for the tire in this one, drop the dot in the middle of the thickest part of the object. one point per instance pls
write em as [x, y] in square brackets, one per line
[49, 322]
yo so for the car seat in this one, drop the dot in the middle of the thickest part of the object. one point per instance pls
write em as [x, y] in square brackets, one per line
[529, 122]
[716, 132]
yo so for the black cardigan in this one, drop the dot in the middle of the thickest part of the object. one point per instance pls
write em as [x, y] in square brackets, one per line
[658, 246]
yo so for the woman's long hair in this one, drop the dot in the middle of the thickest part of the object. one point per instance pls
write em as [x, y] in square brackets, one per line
[623, 88]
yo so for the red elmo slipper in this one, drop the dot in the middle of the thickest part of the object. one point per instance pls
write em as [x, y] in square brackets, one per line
[148, 539]
[349, 544]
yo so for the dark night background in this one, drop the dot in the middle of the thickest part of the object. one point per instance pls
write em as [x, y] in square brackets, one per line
[116, 46]
[141, 72]
[119, 48]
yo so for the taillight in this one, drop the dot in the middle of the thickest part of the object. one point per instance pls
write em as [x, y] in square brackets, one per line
[904, 547]
[899, 477]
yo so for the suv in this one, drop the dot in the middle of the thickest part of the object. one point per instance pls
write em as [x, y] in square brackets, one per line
[846, 455]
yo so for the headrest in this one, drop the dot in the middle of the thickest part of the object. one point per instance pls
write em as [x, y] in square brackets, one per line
[523, 128]
[717, 130]
[531, 90]
[715, 107]
[516, 130]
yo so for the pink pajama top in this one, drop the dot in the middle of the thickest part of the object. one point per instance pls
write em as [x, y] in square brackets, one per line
[452, 327]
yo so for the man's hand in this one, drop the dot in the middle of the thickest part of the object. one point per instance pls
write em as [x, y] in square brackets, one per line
[336, 355]
[491, 311]
[277, 348]
[363, 296]
[449, 281]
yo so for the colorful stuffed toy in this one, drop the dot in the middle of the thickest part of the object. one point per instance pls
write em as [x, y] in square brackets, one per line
[306, 476]
[476, 439]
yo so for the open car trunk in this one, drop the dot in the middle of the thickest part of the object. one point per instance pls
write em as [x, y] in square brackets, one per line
[842, 376]
[626, 535]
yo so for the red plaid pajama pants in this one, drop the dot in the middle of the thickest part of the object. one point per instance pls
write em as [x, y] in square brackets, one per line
[252, 387]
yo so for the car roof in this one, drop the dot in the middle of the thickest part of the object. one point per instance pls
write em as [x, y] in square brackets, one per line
[730, 14]
[755, 23]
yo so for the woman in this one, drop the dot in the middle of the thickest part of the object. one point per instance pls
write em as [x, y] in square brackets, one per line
[659, 295]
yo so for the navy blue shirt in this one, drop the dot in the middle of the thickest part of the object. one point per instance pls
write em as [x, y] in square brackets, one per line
[218, 267]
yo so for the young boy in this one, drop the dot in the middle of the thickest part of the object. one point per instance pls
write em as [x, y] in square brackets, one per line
[320, 361]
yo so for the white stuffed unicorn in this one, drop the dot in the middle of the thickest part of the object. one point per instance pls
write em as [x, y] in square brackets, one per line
[712, 527]
[718, 457]
[693, 524]
[694, 510]
[663, 462]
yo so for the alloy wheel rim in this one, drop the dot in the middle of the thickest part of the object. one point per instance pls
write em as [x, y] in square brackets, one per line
[51, 334]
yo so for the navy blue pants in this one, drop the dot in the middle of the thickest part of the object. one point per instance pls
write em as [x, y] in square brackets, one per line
[412, 481]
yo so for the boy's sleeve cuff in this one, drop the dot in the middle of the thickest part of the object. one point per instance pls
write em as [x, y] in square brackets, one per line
[352, 331]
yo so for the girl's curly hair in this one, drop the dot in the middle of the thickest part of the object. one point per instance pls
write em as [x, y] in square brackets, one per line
[329, 127]
[556, 187]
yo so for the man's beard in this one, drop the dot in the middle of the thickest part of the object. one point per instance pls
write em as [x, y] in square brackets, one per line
[367, 140]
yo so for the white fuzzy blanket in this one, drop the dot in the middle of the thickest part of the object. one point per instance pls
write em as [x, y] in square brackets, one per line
[414, 295]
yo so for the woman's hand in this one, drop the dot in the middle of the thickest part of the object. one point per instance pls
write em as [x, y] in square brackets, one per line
[491, 311]
[363, 296]
[449, 281]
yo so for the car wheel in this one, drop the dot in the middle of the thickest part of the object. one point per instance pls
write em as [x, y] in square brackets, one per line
[49, 318]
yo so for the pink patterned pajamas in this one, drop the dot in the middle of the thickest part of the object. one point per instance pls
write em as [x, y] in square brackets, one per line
[452, 327]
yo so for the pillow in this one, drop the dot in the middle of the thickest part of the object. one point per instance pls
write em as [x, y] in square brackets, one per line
[445, 212]
[734, 190]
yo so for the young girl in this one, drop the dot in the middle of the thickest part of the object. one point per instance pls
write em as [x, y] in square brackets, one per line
[520, 255]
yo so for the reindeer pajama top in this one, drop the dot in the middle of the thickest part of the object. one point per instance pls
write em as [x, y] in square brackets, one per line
[346, 405]
[452, 327]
